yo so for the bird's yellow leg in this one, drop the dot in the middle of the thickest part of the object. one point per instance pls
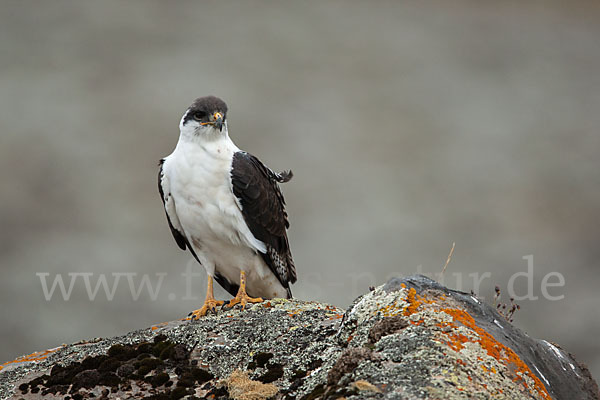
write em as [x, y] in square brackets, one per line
[210, 304]
[242, 297]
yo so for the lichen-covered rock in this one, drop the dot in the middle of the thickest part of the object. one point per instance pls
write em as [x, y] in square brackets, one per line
[408, 339]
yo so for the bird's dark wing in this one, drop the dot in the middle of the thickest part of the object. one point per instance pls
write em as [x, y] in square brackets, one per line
[172, 219]
[263, 208]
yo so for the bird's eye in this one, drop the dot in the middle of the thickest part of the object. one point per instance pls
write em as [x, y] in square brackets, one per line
[199, 115]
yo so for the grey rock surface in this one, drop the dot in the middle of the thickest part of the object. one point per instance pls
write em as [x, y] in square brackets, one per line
[408, 339]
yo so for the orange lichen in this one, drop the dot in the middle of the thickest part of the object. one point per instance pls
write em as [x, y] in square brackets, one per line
[37, 356]
[294, 312]
[413, 303]
[497, 350]
[456, 341]
[155, 327]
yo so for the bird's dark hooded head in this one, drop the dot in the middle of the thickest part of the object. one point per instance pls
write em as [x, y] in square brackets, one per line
[206, 114]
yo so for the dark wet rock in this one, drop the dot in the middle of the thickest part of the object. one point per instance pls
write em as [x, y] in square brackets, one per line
[126, 370]
[408, 339]
[85, 379]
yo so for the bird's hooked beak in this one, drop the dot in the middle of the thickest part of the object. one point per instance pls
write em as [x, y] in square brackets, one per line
[218, 121]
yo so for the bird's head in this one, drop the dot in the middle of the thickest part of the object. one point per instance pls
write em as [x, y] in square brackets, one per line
[207, 116]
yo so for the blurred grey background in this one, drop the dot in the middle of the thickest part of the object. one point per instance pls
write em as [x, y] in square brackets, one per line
[408, 125]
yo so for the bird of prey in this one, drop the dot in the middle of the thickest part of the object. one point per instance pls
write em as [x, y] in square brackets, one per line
[225, 206]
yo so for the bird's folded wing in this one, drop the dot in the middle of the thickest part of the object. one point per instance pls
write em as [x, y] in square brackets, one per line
[263, 208]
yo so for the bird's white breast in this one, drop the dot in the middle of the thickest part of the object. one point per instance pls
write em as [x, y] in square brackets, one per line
[199, 177]
[208, 211]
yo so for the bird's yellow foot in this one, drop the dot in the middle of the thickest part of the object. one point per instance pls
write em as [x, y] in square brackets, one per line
[242, 297]
[209, 305]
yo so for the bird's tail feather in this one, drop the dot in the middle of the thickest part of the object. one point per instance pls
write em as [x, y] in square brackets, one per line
[284, 176]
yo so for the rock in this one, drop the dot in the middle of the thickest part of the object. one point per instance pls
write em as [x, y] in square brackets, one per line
[408, 339]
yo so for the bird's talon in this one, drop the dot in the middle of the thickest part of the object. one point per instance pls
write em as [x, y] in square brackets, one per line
[210, 304]
[242, 297]
[243, 300]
